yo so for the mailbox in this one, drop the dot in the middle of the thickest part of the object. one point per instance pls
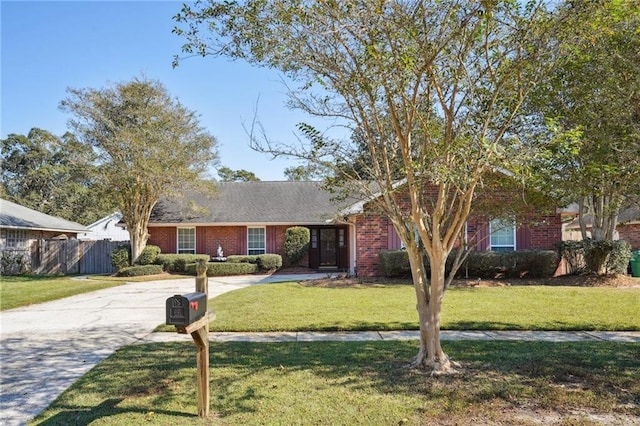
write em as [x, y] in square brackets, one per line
[185, 309]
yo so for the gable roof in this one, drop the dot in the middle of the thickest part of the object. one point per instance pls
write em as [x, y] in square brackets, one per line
[257, 203]
[15, 216]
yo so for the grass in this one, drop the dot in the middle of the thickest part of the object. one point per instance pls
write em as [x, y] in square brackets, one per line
[357, 383]
[296, 307]
[24, 290]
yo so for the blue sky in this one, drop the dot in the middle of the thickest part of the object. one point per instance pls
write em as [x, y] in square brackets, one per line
[49, 46]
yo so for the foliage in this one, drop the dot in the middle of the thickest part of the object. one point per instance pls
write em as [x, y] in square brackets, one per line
[53, 175]
[139, 270]
[215, 269]
[148, 255]
[590, 108]
[432, 88]
[120, 257]
[178, 262]
[269, 262]
[482, 264]
[607, 257]
[598, 257]
[228, 175]
[265, 262]
[148, 146]
[14, 263]
[296, 243]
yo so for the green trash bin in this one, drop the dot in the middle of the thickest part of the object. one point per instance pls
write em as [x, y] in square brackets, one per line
[635, 264]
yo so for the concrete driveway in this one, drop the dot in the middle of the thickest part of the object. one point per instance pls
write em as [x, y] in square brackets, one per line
[44, 348]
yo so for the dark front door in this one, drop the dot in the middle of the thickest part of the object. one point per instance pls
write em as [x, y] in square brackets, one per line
[328, 252]
[328, 248]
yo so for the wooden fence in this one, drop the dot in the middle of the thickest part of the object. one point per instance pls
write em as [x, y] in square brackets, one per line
[71, 256]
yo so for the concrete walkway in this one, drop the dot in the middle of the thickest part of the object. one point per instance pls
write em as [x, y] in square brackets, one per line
[45, 348]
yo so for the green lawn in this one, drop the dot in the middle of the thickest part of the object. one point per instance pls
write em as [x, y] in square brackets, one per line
[358, 383]
[297, 307]
[30, 289]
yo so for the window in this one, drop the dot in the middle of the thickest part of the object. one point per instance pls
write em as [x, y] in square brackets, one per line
[503, 235]
[187, 240]
[256, 242]
[15, 239]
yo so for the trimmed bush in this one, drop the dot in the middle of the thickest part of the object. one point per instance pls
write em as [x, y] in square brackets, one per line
[225, 268]
[269, 262]
[176, 263]
[140, 270]
[395, 263]
[148, 255]
[240, 258]
[296, 243]
[120, 257]
[482, 264]
[265, 262]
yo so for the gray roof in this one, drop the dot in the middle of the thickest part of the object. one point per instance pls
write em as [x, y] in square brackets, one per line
[287, 202]
[626, 216]
[15, 216]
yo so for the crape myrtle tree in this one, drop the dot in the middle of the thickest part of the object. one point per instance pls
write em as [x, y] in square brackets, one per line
[148, 146]
[590, 105]
[432, 88]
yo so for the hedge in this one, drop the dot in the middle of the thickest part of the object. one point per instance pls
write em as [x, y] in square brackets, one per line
[265, 262]
[482, 264]
[139, 270]
[177, 262]
[120, 256]
[224, 268]
[148, 255]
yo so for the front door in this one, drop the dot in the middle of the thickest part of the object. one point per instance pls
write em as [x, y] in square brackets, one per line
[328, 248]
[328, 252]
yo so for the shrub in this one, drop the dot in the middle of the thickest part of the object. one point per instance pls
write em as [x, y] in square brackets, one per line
[481, 264]
[240, 258]
[265, 262]
[176, 263]
[269, 262]
[599, 257]
[140, 270]
[607, 257]
[395, 263]
[225, 268]
[15, 263]
[120, 256]
[296, 243]
[148, 255]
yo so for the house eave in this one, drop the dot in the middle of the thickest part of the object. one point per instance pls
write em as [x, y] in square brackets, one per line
[29, 228]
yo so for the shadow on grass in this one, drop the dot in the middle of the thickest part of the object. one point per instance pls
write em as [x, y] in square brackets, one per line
[246, 377]
[106, 409]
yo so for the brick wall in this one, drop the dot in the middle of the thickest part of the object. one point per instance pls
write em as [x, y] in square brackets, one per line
[630, 233]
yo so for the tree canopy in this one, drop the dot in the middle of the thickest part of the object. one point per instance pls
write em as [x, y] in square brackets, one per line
[228, 175]
[54, 175]
[148, 145]
[591, 103]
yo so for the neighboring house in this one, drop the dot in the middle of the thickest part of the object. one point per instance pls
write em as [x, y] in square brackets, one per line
[107, 228]
[252, 217]
[24, 234]
[628, 228]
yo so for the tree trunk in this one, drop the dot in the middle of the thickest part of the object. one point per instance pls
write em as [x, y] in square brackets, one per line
[139, 236]
[429, 297]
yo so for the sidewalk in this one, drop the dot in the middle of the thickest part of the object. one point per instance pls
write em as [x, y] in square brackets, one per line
[307, 336]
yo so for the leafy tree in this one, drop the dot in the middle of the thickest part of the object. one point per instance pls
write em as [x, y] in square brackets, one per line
[590, 104]
[433, 89]
[228, 175]
[54, 175]
[148, 146]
